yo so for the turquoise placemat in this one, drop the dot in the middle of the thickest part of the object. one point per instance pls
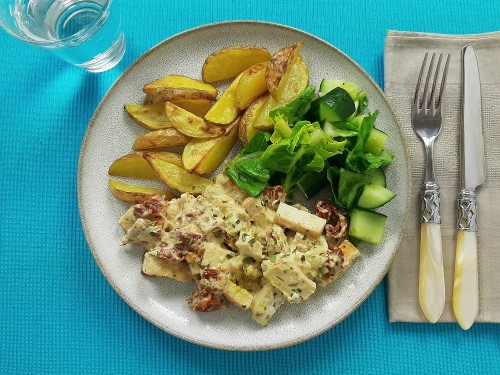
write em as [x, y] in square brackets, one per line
[58, 313]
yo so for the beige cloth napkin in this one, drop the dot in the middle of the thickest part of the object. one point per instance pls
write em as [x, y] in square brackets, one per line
[404, 53]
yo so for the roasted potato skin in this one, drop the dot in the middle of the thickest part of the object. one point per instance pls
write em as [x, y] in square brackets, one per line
[278, 69]
[179, 82]
[135, 193]
[160, 139]
[167, 94]
[229, 62]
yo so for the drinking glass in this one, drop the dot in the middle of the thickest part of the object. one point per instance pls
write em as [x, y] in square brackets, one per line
[85, 33]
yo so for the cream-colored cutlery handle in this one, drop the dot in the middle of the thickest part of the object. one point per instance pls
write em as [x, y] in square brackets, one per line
[466, 284]
[431, 276]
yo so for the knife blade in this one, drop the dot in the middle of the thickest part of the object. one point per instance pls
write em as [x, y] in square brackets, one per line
[473, 174]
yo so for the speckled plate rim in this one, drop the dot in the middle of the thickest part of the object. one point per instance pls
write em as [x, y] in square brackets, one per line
[159, 324]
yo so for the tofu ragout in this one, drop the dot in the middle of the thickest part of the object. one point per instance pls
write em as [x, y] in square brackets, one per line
[237, 248]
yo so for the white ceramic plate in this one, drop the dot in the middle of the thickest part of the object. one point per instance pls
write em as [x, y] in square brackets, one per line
[163, 302]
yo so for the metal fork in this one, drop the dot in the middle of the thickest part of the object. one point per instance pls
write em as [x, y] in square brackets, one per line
[426, 120]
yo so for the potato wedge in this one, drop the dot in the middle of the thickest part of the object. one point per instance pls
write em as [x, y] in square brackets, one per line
[251, 85]
[134, 193]
[230, 61]
[180, 82]
[168, 94]
[198, 107]
[177, 177]
[132, 165]
[151, 117]
[219, 152]
[263, 121]
[247, 127]
[296, 82]
[161, 267]
[278, 70]
[160, 138]
[190, 124]
[205, 155]
[224, 110]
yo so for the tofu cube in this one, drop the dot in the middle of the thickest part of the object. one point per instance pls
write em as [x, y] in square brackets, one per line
[298, 220]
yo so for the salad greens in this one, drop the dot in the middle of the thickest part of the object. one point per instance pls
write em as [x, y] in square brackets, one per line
[316, 140]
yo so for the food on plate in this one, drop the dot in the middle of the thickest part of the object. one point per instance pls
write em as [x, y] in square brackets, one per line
[160, 267]
[299, 220]
[178, 88]
[190, 124]
[296, 81]
[240, 235]
[231, 61]
[133, 165]
[279, 68]
[175, 94]
[247, 124]
[159, 139]
[134, 193]
[175, 176]
[251, 85]
[180, 82]
[152, 117]
[292, 77]
[198, 107]
[205, 155]
[224, 111]
[234, 248]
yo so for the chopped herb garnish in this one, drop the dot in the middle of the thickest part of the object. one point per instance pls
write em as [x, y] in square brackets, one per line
[248, 260]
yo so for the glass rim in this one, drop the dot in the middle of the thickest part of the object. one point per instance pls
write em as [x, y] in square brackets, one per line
[79, 36]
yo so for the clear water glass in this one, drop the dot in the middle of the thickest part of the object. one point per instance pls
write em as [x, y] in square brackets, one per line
[85, 33]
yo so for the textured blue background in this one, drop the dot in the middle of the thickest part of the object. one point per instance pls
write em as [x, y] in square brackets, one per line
[57, 312]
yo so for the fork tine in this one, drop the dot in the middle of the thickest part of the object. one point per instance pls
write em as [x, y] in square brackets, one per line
[417, 90]
[443, 81]
[426, 87]
[432, 101]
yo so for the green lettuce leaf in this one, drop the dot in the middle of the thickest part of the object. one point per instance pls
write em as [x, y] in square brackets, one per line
[359, 161]
[297, 108]
[246, 171]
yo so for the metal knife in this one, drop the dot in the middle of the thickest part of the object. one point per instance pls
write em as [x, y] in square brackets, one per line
[466, 283]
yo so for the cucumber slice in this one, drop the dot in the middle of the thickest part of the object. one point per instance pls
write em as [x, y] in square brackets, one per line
[366, 225]
[377, 177]
[374, 196]
[321, 112]
[375, 142]
[328, 84]
[335, 105]
[341, 102]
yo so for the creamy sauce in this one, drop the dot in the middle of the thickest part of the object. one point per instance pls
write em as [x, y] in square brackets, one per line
[234, 249]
